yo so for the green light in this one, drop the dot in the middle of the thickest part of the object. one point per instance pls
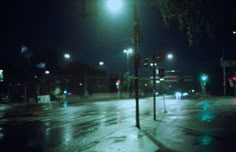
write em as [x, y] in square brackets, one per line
[205, 140]
[65, 92]
[1, 75]
[204, 77]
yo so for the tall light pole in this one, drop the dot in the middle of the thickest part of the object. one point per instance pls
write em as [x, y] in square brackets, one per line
[116, 4]
[153, 63]
[136, 60]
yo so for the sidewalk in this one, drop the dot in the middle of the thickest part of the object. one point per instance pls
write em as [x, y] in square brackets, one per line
[179, 130]
[152, 137]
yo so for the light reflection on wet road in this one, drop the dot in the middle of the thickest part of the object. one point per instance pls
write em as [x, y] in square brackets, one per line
[51, 127]
[206, 124]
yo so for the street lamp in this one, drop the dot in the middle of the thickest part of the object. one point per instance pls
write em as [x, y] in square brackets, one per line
[153, 64]
[101, 63]
[47, 72]
[114, 5]
[67, 56]
[170, 56]
[136, 38]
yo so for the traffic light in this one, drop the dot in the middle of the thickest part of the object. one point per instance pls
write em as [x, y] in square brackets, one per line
[1, 75]
[234, 78]
[204, 77]
[118, 84]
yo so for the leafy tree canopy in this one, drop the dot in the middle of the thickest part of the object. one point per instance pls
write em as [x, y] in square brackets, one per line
[198, 18]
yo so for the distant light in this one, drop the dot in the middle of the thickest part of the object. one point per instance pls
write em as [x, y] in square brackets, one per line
[170, 86]
[114, 5]
[170, 56]
[128, 51]
[118, 82]
[172, 70]
[204, 77]
[162, 79]
[24, 49]
[185, 94]
[234, 32]
[145, 85]
[67, 56]
[65, 104]
[41, 65]
[193, 91]
[178, 95]
[1, 75]
[80, 84]
[65, 91]
[101, 63]
[47, 72]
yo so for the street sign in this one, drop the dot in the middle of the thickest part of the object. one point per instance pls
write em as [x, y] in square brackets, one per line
[166, 78]
[188, 78]
[228, 63]
[171, 78]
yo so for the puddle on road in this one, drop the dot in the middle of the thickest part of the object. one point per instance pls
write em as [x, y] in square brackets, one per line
[201, 139]
[204, 140]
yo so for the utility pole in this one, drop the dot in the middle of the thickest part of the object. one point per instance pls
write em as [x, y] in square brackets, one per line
[86, 81]
[136, 61]
[154, 86]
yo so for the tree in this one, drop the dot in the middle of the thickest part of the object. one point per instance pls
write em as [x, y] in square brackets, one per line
[198, 17]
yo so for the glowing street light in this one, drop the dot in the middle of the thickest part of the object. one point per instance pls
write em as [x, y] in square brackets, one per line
[101, 63]
[47, 72]
[170, 56]
[114, 5]
[67, 56]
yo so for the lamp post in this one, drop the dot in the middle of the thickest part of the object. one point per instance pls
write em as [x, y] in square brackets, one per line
[117, 4]
[136, 61]
[153, 63]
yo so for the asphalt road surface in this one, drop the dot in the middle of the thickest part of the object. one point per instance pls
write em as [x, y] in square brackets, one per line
[76, 127]
[53, 127]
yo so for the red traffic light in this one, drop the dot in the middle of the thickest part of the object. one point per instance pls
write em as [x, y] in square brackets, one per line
[234, 78]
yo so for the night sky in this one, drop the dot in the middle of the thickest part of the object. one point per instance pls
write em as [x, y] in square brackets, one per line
[58, 24]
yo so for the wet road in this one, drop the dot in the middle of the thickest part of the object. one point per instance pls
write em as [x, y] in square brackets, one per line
[53, 127]
[197, 126]
[207, 125]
